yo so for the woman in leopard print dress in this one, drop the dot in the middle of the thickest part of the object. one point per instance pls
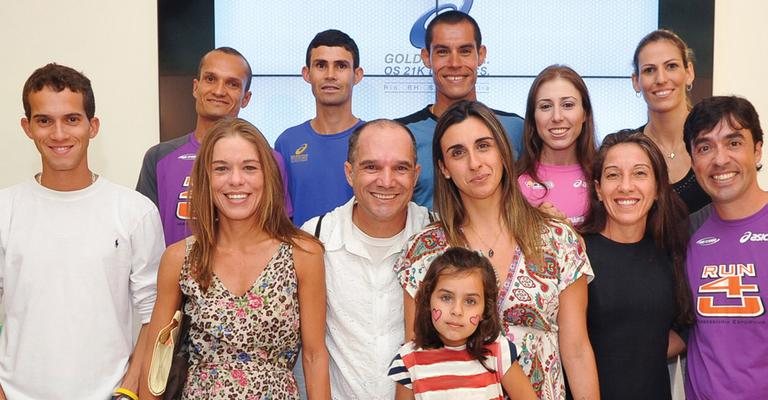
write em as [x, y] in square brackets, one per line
[254, 282]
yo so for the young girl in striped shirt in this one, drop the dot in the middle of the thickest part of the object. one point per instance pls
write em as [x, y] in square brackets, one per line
[459, 351]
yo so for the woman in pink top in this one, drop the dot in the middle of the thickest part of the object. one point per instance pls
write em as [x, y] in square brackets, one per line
[559, 140]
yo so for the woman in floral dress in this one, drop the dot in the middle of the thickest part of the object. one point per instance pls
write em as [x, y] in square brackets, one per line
[253, 282]
[540, 264]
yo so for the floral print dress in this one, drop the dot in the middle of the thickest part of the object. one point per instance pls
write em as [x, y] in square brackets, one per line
[528, 299]
[244, 347]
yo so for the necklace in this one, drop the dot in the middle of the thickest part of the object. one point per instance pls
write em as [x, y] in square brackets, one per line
[39, 177]
[670, 154]
[490, 248]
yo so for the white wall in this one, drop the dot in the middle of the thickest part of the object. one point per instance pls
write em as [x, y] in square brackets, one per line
[115, 44]
[741, 56]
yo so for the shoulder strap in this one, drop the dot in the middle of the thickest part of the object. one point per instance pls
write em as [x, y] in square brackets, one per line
[189, 242]
[319, 224]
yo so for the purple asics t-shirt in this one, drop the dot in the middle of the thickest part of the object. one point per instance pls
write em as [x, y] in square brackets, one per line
[164, 179]
[727, 270]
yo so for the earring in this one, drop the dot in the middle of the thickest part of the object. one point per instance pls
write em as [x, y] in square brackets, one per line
[447, 177]
[637, 94]
[689, 86]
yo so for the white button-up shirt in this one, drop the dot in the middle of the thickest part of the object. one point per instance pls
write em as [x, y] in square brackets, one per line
[365, 305]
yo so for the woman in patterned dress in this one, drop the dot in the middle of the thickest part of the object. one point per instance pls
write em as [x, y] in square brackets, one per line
[539, 262]
[253, 282]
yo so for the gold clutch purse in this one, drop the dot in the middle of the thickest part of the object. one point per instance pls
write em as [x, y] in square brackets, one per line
[162, 355]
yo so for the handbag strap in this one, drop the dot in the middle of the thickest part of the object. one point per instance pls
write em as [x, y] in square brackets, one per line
[189, 243]
[317, 227]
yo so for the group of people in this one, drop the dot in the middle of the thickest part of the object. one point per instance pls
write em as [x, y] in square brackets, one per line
[459, 252]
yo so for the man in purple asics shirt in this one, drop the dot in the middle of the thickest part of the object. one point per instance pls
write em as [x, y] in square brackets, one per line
[221, 89]
[728, 254]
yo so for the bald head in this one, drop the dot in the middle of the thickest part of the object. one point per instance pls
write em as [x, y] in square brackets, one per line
[381, 168]
[380, 127]
[231, 52]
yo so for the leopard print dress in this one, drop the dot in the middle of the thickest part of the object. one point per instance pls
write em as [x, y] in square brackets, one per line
[244, 347]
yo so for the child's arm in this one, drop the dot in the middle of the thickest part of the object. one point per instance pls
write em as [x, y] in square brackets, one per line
[516, 384]
[403, 393]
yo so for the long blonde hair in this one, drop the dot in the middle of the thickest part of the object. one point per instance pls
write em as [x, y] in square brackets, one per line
[523, 221]
[270, 215]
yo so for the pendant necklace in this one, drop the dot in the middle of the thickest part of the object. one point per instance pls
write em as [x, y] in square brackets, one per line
[671, 155]
[490, 248]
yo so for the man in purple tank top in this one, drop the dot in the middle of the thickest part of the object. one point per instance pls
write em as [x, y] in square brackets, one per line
[727, 262]
[221, 89]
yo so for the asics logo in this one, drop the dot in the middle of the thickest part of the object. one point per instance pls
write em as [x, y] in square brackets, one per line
[419, 28]
[301, 149]
[748, 236]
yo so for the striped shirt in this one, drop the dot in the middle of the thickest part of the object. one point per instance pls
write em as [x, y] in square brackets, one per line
[451, 372]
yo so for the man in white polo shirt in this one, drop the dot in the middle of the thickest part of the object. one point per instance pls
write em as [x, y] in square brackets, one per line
[362, 239]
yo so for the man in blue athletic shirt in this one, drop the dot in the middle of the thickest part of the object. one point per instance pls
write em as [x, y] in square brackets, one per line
[453, 52]
[315, 151]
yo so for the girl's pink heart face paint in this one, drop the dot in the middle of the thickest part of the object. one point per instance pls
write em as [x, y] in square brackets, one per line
[457, 304]
[436, 313]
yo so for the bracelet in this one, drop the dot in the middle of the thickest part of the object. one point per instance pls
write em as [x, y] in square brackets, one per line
[127, 392]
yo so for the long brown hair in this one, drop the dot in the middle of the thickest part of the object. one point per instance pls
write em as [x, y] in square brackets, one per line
[270, 215]
[533, 144]
[458, 261]
[667, 220]
[524, 222]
